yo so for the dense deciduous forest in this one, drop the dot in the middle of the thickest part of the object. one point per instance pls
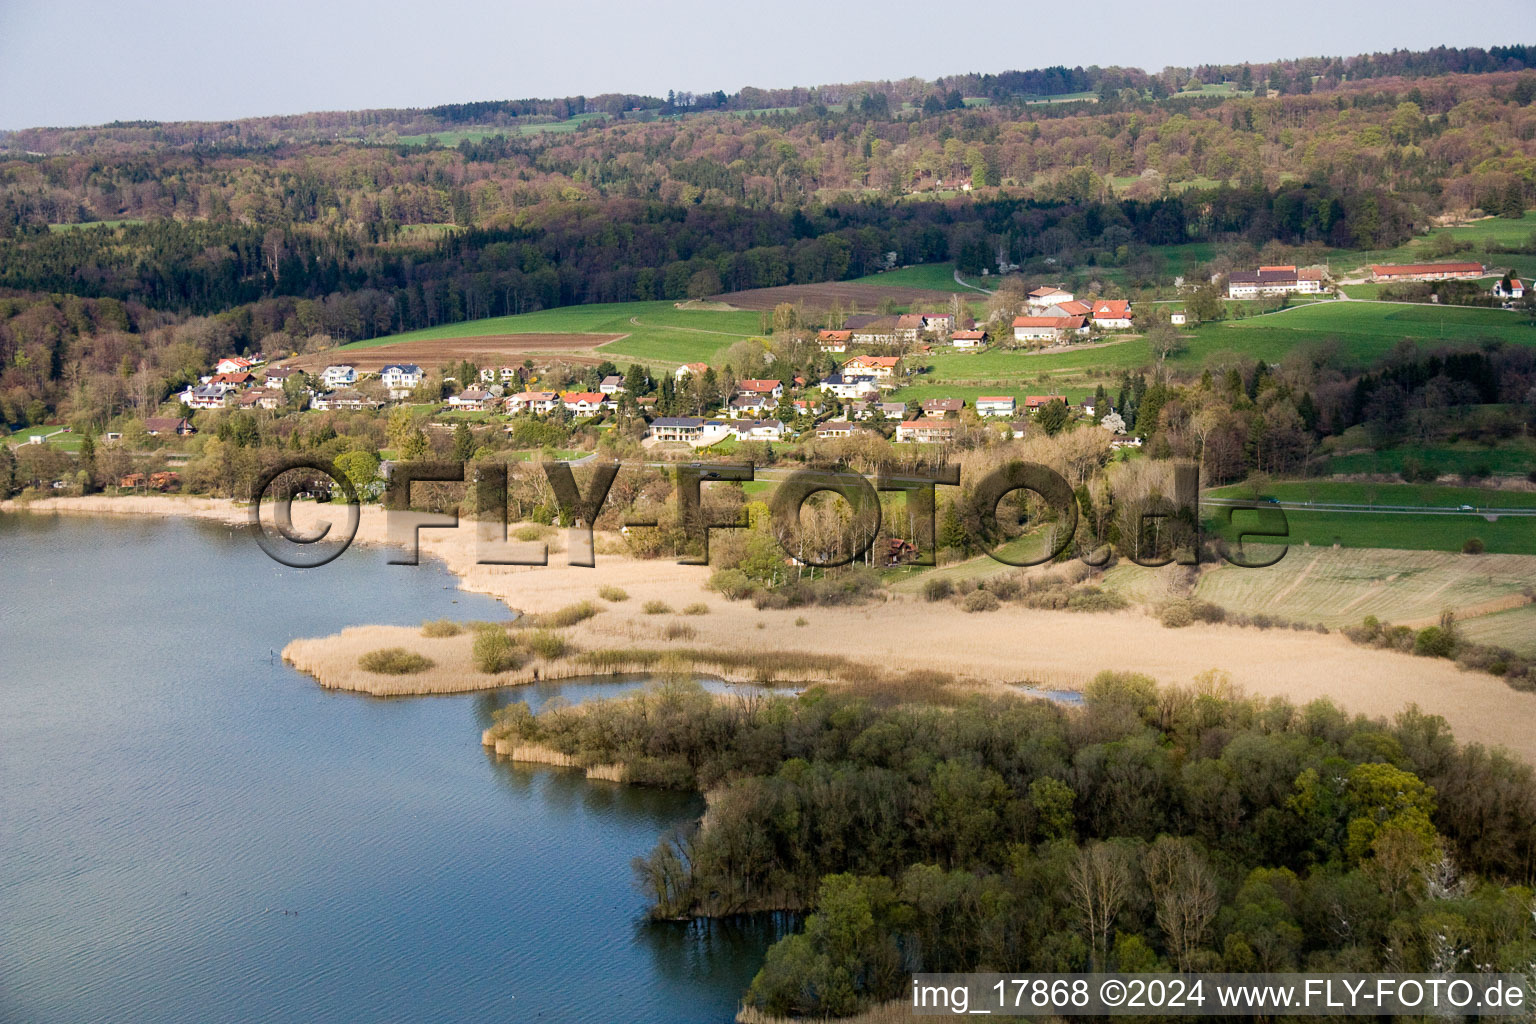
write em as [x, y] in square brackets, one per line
[1150, 830]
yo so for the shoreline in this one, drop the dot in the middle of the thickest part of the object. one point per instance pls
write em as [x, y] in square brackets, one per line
[994, 652]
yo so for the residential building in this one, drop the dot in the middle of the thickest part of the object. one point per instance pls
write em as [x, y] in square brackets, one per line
[611, 384]
[759, 430]
[771, 388]
[1019, 428]
[1112, 314]
[233, 364]
[339, 376]
[833, 429]
[942, 324]
[968, 340]
[584, 403]
[926, 431]
[996, 405]
[350, 400]
[689, 430]
[157, 426]
[752, 405]
[1047, 295]
[1516, 290]
[277, 376]
[834, 341]
[401, 379]
[885, 369]
[873, 331]
[533, 401]
[1276, 280]
[208, 396]
[847, 387]
[261, 398]
[687, 368]
[908, 327]
[1072, 307]
[1033, 402]
[470, 400]
[1178, 319]
[237, 379]
[1426, 271]
[807, 406]
[1047, 328]
[942, 407]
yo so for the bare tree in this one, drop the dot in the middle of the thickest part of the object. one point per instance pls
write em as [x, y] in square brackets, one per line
[1184, 895]
[1100, 882]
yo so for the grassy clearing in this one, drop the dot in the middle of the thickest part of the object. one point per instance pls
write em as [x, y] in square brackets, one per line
[1427, 495]
[1516, 456]
[1341, 587]
[933, 276]
[1363, 324]
[1514, 628]
[96, 224]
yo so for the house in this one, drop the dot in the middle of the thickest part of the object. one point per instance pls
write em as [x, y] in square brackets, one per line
[1516, 290]
[995, 405]
[261, 398]
[1276, 280]
[164, 480]
[834, 428]
[470, 400]
[533, 401]
[834, 341]
[1426, 271]
[1019, 428]
[941, 324]
[942, 407]
[676, 428]
[846, 387]
[401, 379]
[1070, 308]
[926, 431]
[687, 368]
[611, 384]
[339, 376]
[1112, 314]
[968, 340]
[908, 327]
[1047, 328]
[1033, 402]
[233, 364]
[1178, 319]
[885, 369]
[237, 379]
[760, 430]
[1045, 296]
[277, 376]
[351, 401]
[752, 405]
[769, 388]
[155, 426]
[208, 396]
[584, 403]
[807, 406]
[872, 330]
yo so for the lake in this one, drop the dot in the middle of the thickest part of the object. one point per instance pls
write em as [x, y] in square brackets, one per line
[191, 830]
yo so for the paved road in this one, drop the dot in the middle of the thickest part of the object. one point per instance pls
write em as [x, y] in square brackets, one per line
[972, 287]
[1490, 513]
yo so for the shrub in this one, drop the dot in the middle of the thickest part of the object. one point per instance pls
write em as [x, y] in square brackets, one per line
[567, 616]
[441, 627]
[1205, 611]
[532, 531]
[1093, 599]
[545, 643]
[656, 608]
[679, 631]
[980, 601]
[394, 661]
[801, 621]
[1005, 587]
[937, 589]
[495, 652]
[1473, 546]
[1435, 642]
[697, 608]
[1177, 615]
[611, 593]
[732, 584]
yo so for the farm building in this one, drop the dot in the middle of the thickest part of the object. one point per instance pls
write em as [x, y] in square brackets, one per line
[1047, 328]
[1280, 280]
[1426, 271]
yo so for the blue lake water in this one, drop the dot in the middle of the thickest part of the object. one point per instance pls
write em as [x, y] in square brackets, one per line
[192, 831]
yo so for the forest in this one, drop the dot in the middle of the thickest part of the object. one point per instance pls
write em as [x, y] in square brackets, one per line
[1151, 829]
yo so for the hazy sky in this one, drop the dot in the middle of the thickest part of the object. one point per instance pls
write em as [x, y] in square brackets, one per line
[70, 62]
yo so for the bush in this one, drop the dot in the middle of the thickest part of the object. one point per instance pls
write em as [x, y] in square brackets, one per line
[679, 631]
[495, 652]
[980, 601]
[656, 608]
[1006, 587]
[611, 593]
[697, 608]
[567, 616]
[937, 589]
[1473, 546]
[532, 531]
[441, 627]
[1093, 599]
[394, 661]
[801, 621]
[1435, 642]
[732, 584]
[1177, 615]
[545, 643]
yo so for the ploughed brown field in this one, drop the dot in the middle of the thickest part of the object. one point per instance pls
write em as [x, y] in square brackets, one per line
[431, 353]
[854, 298]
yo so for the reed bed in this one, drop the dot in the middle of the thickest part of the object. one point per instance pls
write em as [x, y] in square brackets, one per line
[894, 1012]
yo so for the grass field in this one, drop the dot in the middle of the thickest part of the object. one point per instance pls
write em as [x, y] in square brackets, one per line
[1516, 456]
[95, 224]
[1405, 531]
[455, 136]
[933, 276]
[1504, 230]
[1514, 628]
[653, 331]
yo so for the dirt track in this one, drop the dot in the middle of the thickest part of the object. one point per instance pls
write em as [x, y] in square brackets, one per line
[431, 353]
[854, 298]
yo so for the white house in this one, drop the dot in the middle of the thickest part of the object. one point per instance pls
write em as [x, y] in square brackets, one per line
[845, 387]
[1516, 290]
[208, 396]
[939, 323]
[1112, 314]
[1040, 298]
[611, 384]
[926, 431]
[834, 341]
[968, 340]
[584, 403]
[885, 369]
[996, 405]
[1178, 319]
[1047, 328]
[760, 430]
[339, 376]
[533, 401]
[233, 364]
[752, 405]
[470, 400]
[771, 388]
[687, 368]
[401, 379]
[834, 428]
